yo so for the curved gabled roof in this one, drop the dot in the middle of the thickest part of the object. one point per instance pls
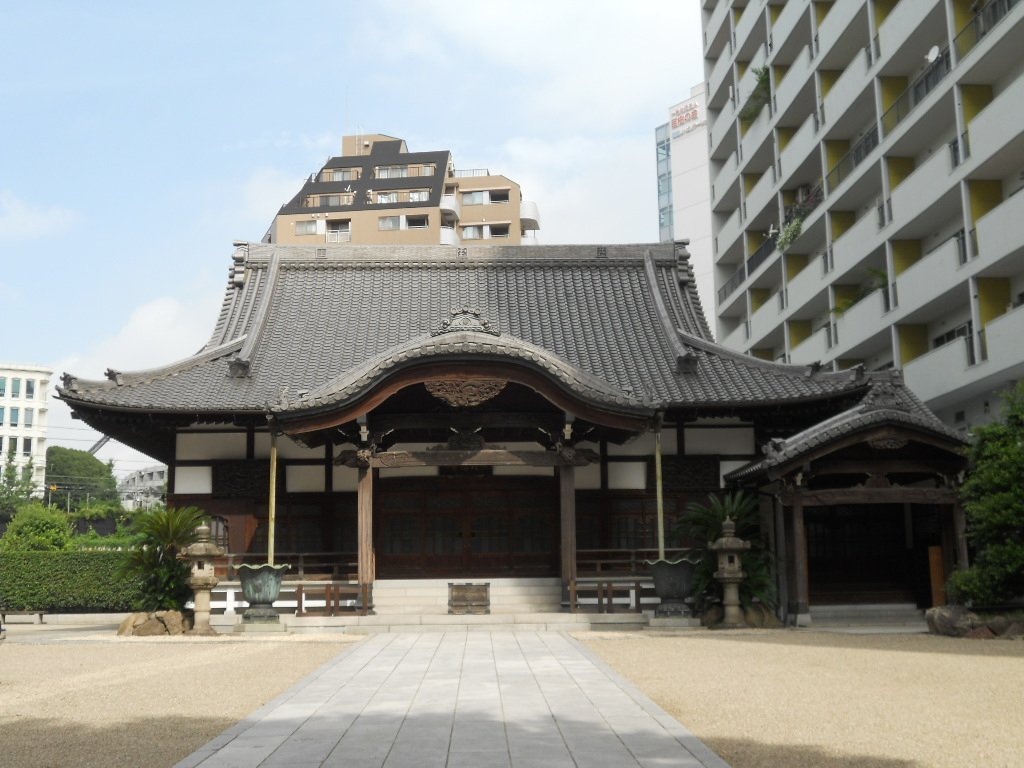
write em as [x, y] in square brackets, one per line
[617, 325]
[886, 403]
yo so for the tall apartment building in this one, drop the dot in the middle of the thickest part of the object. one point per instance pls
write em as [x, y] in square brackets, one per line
[23, 412]
[378, 192]
[684, 198]
[866, 157]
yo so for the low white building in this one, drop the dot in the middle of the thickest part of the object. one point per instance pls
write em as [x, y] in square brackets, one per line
[143, 488]
[23, 416]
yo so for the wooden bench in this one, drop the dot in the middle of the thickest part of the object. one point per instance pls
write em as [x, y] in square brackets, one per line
[606, 590]
[338, 597]
[5, 614]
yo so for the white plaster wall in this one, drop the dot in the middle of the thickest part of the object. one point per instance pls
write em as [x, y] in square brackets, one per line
[193, 479]
[644, 445]
[725, 467]
[724, 441]
[304, 479]
[192, 446]
[286, 448]
[627, 475]
[588, 478]
[345, 479]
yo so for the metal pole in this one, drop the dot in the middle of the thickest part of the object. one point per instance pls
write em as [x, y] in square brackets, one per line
[661, 500]
[272, 505]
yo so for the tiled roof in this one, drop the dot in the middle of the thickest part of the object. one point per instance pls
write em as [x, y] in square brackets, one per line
[886, 403]
[301, 326]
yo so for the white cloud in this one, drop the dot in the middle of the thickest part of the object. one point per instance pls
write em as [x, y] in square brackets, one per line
[589, 190]
[156, 333]
[21, 221]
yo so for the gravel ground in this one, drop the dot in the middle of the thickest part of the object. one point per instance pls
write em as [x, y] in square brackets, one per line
[73, 697]
[801, 698]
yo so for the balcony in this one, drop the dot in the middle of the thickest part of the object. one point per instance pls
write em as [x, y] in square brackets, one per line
[449, 236]
[729, 287]
[998, 123]
[941, 370]
[795, 79]
[799, 147]
[933, 275]
[450, 204]
[787, 21]
[724, 122]
[339, 236]
[812, 349]
[765, 318]
[986, 19]
[529, 216]
[737, 338]
[857, 154]
[529, 238]
[916, 92]
[1002, 340]
[807, 284]
[999, 229]
[854, 243]
[835, 24]
[846, 89]
[729, 231]
[721, 70]
[753, 13]
[861, 321]
[922, 187]
[761, 194]
[901, 23]
[719, 15]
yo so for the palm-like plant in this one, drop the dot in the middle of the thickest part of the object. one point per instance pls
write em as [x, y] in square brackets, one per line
[162, 533]
[702, 524]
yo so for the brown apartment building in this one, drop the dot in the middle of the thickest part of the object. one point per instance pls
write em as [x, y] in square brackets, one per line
[378, 192]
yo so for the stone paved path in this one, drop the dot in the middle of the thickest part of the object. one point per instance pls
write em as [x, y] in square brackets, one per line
[459, 699]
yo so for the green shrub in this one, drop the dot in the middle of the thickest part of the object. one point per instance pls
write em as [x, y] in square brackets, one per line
[702, 524]
[162, 534]
[993, 497]
[74, 582]
[36, 527]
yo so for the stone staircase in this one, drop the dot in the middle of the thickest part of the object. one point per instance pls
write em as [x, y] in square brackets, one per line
[430, 596]
[894, 617]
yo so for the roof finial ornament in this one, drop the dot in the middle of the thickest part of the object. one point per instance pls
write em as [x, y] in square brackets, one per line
[114, 376]
[69, 382]
[465, 319]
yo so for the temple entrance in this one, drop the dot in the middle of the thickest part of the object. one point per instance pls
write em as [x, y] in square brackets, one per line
[457, 526]
[871, 553]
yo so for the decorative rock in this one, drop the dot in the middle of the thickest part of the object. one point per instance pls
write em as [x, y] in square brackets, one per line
[155, 624]
[713, 615]
[1014, 630]
[950, 620]
[981, 633]
[150, 628]
[998, 625]
[130, 622]
[758, 615]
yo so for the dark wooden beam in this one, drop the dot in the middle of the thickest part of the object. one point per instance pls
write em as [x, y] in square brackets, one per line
[464, 421]
[883, 466]
[485, 457]
[861, 495]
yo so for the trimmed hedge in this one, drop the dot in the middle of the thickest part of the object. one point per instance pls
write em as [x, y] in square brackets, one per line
[72, 582]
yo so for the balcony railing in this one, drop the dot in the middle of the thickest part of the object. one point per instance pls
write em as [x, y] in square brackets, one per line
[922, 85]
[758, 257]
[982, 23]
[339, 236]
[801, 208]
[734, 282]
[852, 159]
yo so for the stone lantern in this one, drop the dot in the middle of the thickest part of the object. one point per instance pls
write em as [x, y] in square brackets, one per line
[730, 573]
[203, 579]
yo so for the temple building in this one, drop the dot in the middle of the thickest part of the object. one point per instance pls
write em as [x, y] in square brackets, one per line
[477, 412]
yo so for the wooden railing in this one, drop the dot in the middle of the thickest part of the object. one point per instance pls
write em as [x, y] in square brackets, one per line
[335, 566]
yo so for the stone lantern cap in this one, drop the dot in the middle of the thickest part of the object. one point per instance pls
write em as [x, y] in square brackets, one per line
[202, 547]
[728, 540]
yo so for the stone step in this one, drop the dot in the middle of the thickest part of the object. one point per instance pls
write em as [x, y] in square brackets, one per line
[867, 613]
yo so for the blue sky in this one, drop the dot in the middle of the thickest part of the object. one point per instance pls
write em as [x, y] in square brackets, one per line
[137, 140]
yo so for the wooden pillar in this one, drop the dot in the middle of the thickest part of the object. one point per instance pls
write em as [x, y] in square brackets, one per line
[567, 502]
[365, 525]
[781, 563]
[801, 607]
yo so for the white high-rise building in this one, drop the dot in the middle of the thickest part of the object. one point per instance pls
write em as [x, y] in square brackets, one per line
[23, 413]
[684, 197]
[866, 158]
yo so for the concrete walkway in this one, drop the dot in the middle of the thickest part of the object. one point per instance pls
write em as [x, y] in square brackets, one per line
[459, 700]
